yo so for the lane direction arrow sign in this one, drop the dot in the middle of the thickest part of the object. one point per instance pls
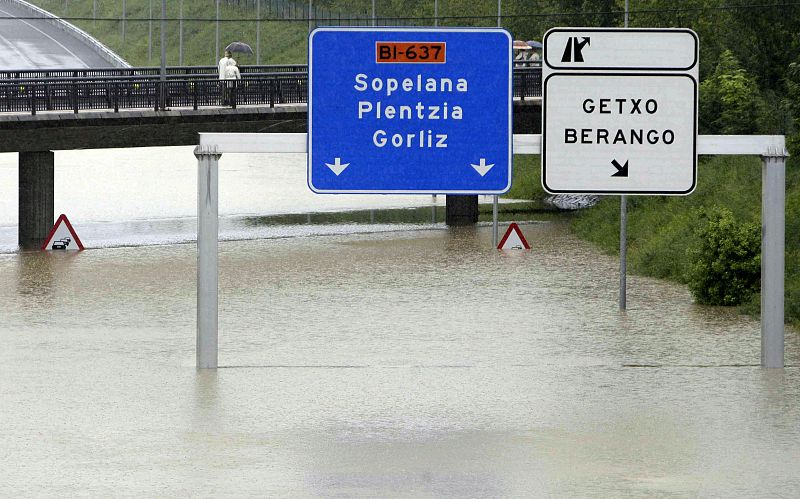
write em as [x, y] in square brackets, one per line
[482, 168]
[409, 108]
[337, 167]
[619, 97]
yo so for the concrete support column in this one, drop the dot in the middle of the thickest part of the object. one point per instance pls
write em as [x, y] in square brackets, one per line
[461, 210]
[36, 193]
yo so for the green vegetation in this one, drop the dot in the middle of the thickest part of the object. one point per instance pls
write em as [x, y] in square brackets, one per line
[678, 238]
[749, 54]
[725, 266]
[282, 42]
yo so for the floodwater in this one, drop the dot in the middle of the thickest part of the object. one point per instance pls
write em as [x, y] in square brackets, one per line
[394, 362]
[145, 196]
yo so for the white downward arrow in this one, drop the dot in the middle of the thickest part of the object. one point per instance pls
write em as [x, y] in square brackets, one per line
[337, 167]
[482, 168]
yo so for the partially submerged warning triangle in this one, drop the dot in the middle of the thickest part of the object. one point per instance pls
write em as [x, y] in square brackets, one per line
[62, 237]
[513, 239]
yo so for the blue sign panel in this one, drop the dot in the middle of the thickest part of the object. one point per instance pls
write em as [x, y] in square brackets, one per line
[398, 110]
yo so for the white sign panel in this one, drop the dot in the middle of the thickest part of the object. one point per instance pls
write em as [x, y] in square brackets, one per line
[619, 111]
[619, 133]
[611, 49]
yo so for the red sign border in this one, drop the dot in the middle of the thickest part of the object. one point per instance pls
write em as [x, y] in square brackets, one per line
[515, 228]
[62, 218]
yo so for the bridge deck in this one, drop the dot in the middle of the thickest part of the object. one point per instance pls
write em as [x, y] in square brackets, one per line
[35, 44]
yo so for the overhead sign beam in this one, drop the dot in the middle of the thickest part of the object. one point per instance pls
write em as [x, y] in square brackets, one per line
[251, 143]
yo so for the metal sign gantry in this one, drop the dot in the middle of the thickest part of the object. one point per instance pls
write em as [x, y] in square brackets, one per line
[771, 148]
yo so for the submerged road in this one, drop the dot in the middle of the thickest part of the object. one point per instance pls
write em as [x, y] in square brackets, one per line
[413, 363]
[35, 44]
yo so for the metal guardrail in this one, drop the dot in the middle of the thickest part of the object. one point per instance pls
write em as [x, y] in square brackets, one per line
[7, 74]
[188, 87]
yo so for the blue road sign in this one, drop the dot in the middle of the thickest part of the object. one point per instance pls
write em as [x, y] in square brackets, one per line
[398, 110]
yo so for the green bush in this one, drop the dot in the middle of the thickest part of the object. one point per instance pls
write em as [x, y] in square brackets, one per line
[725, 265]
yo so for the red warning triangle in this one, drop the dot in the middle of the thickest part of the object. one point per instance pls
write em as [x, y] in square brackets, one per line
[63, 237]
[513, 239]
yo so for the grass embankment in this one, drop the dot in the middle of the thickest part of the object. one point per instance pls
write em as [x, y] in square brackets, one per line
[662, 229]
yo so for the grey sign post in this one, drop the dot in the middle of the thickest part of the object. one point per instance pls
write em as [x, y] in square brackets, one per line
[207, 255]
[773, 234]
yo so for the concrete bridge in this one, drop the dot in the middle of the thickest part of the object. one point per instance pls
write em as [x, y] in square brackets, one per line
[62, 90]
[39, 115]
[85, 109]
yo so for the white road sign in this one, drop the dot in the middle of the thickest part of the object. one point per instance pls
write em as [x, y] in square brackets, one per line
[619, 121]
[604, 49]
[612, 132]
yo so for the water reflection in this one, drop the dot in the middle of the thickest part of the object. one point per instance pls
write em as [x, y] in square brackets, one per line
[463, 240]
[206, 413]
[36, 273]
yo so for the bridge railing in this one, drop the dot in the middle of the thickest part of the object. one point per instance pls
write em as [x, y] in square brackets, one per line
[17, 74]
[194, 90]
[112, 94]
[527, 83]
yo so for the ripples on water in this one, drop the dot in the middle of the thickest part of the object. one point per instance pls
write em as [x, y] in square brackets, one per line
[366, 360]
[397, 363]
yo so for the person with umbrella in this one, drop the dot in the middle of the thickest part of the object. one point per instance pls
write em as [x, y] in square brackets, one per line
[520, 48]
[223, 63]
[229, 68]
[534, 56]
[231, 75]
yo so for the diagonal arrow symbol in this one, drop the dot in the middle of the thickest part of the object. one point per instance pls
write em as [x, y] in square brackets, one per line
[622, 170]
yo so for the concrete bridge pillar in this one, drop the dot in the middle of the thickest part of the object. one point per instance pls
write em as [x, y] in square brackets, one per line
[461, 210]
[36, 193]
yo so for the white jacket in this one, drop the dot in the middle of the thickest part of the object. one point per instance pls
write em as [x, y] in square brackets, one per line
[232, 73]
[223, 63]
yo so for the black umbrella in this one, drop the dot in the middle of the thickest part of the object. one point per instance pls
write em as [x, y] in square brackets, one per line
[239, 47]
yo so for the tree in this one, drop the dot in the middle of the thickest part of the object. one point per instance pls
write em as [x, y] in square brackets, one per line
[729, 99]
[792, 100]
